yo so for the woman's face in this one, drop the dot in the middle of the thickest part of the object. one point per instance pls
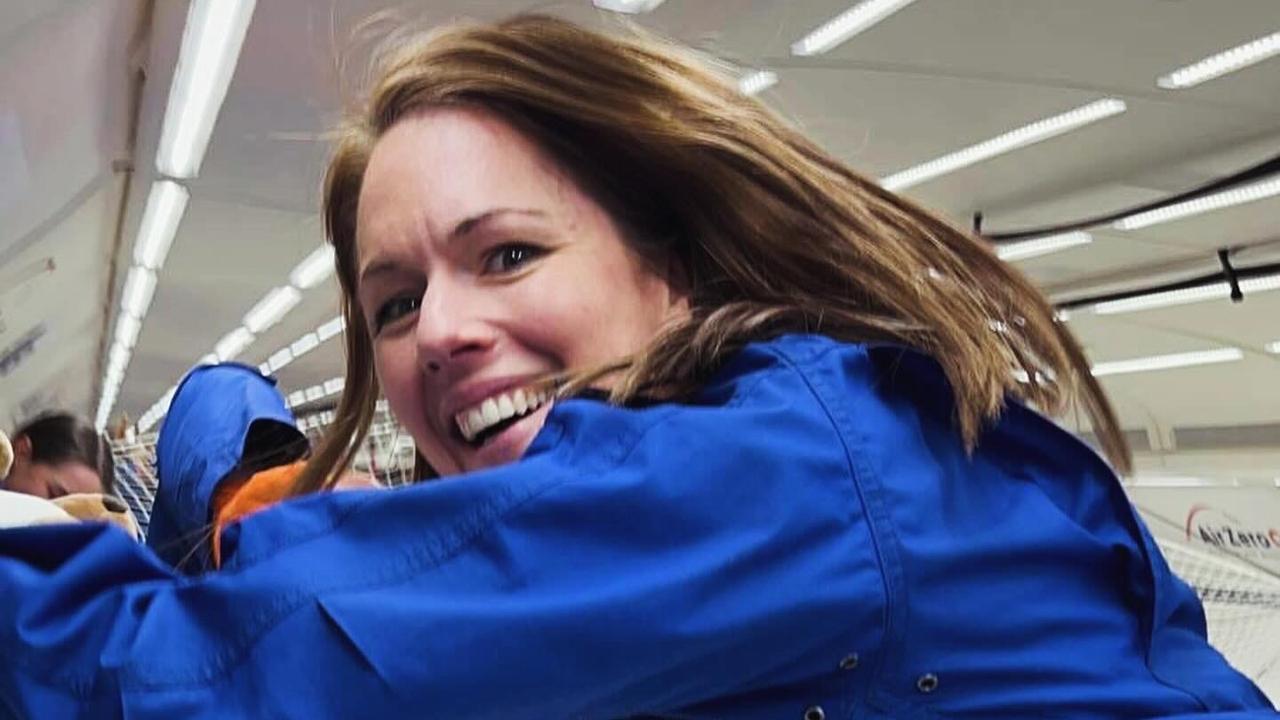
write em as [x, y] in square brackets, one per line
[480, 266]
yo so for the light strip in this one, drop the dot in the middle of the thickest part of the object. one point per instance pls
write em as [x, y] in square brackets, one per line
[756, 82]
[846, 25]
[232, 344]
[271, 308]
[211, 43]
[630, 7]
[1042, 246]
[1274, 347]
[1166, 362]
[139, 288]
[1014, 139]
[127, 329]
[1216, 201]
[1216, 291]
[313, 269]
[330, 328]
[281, 358]
[1227, 61]
[165, 205]
[304, 345]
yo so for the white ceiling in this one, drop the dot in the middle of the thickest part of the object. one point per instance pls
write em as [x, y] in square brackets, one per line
[939, 75]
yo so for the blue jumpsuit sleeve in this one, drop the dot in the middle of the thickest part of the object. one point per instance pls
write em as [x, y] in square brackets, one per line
[642, 562]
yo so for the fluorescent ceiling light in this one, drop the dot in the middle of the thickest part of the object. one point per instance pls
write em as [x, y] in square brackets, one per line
[111, 382]
[139, 288]
[630, 7]
[127, 329]
[273, 306]
[303, 345]
[1042, 246]
[1216, 291]
[296, 398]
[846, 25]
[757, 81]
[313, 269]
[165, 205]
[1164, 299]
[210, 47]
[282, 357]
[333, 386]
[1165, 362]
[210, 359]
[232, 344]
[1274, 347]
[315, 392]
[118, 359]
[1227, 61]
[1216, 201]
[1012, 140]
[329, 329]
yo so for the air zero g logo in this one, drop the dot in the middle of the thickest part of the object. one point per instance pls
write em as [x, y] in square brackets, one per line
[1221, 529]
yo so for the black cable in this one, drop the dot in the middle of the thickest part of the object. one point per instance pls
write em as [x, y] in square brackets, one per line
[1234, 277]
[1266, 167]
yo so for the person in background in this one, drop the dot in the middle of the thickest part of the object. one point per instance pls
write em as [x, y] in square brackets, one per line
[228, 448]
[721, 429]
[59, 458]
[59, 454]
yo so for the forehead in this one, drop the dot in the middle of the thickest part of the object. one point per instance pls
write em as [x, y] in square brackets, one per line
[435, 168]
[75, 476]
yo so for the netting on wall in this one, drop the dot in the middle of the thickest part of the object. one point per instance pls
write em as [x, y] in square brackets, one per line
[1241, 606]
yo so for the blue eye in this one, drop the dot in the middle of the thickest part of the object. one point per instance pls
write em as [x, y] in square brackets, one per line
[506, 258]
[394, 309]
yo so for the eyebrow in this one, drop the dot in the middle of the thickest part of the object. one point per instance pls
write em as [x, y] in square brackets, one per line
[470, 224]
[461, 230]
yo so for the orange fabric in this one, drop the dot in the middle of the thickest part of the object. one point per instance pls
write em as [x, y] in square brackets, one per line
[235, 500]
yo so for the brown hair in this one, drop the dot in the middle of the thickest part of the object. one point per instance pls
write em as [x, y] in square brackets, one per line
[772, 233]
[59, 437]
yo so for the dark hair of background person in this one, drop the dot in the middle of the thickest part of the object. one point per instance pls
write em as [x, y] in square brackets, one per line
[60, 437]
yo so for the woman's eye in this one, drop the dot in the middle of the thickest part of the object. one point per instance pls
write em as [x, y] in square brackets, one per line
[394, 309]
[509, 257]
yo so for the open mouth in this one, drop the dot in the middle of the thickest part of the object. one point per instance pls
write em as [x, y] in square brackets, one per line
[477, 424]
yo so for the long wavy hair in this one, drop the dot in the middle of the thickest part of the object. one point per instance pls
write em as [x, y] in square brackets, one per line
[771, 233]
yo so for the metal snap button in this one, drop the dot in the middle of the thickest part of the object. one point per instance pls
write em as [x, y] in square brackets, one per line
[927, 683]
[849, 661]
[815, 713]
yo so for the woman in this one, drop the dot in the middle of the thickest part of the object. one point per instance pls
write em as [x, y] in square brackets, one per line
[816, 492]
[58, 469]
[58, 454]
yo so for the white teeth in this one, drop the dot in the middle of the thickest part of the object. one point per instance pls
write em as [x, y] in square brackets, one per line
[475, 420]
[490, 410]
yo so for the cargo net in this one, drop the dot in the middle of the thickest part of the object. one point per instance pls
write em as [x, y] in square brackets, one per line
[1241, 605]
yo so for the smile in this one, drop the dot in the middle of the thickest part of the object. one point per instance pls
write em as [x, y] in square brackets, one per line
[495, 413]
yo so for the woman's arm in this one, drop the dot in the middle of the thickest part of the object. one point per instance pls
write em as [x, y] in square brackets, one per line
[640, 562]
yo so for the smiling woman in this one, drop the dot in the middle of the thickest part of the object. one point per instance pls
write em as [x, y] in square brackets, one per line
[485, 269]
[721, 429]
